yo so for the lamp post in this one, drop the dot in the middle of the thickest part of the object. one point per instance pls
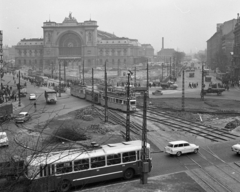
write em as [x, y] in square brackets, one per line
[19, 89]
[202, 91]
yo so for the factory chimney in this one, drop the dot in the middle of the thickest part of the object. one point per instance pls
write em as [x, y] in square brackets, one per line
[162, 42]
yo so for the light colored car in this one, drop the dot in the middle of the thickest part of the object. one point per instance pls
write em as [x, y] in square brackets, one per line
[3, 139]
[236, 148]
[180, 147]
[32, 96]
[22, 117]
[157, 92]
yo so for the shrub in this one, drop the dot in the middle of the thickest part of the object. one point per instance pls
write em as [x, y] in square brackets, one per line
[69, 130]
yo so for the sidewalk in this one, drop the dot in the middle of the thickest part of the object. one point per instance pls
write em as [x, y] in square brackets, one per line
[176, 182]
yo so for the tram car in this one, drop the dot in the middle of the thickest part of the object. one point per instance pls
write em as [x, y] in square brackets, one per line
[118, 102]
[88, 95]
[78, 91]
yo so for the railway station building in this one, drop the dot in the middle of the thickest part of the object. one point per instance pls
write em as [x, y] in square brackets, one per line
[74, 44]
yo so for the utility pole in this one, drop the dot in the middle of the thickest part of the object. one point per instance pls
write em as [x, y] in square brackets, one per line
[128, 108]
[162, 71]
[147, 81]
[64, 70]
[135, 77]
[83, 72]
[202, 91]
[183, 92]
[106, 99]
[59, 89]
[92, 89]
[144, 155]
[19, 85]
[170, 68]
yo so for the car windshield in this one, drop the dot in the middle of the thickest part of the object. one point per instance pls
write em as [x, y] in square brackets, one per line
[21, 115]
[170, 145]
[132, 102]
[32, 94]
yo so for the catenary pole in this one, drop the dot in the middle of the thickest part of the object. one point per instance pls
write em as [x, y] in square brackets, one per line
[59, 89]
[106, 99]
[183, 91]
[144, 141]
[19, 85]
[202, 91]
[92, 88]
[128, 109]
[83, 72]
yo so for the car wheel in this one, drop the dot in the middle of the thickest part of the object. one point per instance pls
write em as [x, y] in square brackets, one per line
[64, 186]
[195, 150]
[179, 153]
[128, 174]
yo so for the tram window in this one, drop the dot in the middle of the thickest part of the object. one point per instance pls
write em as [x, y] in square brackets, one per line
[113, 159]
[81, 164]
[120, 101]
[41, 170]
[64, 167]
[129, 156]
[117, 100]
[53, 169]
[98, 162]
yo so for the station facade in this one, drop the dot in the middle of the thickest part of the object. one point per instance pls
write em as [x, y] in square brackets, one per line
[76, 44]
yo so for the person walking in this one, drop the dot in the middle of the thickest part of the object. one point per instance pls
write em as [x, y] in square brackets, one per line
[35, 106]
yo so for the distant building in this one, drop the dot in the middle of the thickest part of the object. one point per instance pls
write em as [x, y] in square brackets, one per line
[236, 51]
[71, 43]
[165, 55]
[220, 45]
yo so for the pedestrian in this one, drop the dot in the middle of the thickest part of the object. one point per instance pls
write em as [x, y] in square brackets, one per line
[35, 106]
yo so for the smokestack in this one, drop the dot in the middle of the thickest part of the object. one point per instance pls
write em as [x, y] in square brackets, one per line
[162, 42]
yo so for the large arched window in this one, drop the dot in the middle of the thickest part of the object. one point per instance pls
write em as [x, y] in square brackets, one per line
[70, 45]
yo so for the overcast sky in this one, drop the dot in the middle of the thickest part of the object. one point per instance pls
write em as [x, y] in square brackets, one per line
[185, 24]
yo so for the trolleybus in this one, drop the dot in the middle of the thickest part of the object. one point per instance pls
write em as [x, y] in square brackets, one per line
[64, 169]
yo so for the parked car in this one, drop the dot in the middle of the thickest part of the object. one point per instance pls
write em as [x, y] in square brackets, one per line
[180, 147]
[32, 96]
[3, 139]
[173, 86]
[236, 148]
[22, 117]
[157, 92]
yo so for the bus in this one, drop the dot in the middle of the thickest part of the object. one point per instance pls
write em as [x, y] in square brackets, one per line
[65, 169]
[50, 96]
[206, 72]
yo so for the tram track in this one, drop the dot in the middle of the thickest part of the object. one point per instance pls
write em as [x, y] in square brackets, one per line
[215, 177]
[208, 132]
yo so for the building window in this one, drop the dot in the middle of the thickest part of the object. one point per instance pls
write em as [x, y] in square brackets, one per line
[19, 62]
[125, 52]
[25, 52]
[119, 52]
[113, 61]
[30, 52]
[107, 52]
[89, 61]
[113, 51]
[19, 52]
[124, 61]
[100, 61]
[24, 62]
[89, 52]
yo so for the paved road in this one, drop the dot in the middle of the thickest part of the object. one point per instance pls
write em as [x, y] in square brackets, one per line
[233, 93]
